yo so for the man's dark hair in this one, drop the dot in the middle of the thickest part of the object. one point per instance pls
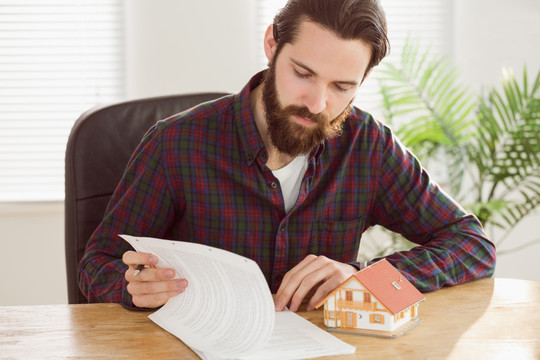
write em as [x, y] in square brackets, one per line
[349, 19]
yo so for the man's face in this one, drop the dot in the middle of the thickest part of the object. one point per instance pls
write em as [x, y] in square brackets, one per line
[309, 88]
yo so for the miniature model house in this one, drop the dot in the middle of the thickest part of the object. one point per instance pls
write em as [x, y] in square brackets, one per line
[377, 300]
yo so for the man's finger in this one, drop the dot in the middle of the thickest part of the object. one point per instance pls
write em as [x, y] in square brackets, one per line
[317, 277]
[155, 287]
[135, 258]
[149, 274]
[320, 276]
[322, 291]
[293, 279]
[153, 300]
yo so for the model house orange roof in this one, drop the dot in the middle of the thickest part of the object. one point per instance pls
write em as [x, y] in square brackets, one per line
[388, 285]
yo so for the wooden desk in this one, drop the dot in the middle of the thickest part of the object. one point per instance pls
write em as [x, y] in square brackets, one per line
[485, 319]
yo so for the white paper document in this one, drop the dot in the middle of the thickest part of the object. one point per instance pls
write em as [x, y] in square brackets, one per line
[227, 310]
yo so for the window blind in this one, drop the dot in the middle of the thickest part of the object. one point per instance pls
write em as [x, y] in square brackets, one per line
[58, 58]
[427, 21]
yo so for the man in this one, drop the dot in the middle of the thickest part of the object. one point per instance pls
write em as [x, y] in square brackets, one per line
[288, 173]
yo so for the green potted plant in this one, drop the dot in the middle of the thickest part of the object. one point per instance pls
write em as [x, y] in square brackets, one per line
[486, 146]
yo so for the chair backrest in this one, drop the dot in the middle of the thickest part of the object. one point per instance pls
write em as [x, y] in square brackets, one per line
[99, 147]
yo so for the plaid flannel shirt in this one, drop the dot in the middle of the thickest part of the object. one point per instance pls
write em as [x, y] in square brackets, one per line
[200, 176]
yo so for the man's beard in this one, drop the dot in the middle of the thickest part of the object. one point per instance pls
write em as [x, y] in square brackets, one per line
[288, 136]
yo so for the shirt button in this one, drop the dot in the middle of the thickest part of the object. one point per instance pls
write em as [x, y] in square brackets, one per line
[282, 229]
[273, 185]
[250, 157]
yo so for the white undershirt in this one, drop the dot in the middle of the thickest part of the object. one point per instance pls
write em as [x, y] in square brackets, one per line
[290, 177]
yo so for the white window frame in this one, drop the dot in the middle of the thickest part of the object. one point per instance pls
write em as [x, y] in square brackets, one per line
[58, 58]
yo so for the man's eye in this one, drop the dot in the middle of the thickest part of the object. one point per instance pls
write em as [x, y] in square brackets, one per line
[301, 75]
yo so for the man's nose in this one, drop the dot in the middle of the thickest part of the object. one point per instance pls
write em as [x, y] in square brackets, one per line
[316, 99]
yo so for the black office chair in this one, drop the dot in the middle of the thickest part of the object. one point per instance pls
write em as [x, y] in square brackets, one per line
[99, 147]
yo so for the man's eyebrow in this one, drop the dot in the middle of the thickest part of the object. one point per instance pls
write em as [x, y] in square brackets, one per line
[307, 68]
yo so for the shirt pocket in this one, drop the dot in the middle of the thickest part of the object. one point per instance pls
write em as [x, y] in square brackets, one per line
[338, 240]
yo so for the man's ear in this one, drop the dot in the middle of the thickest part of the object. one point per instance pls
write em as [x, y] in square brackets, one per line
[270, 43]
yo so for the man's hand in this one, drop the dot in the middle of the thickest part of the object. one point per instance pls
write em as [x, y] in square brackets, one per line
[315, 273]
[152, 287]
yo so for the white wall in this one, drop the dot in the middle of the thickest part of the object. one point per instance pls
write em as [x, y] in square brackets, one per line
[171, 49]
[32, 268]
[490, 35]
[179, 46]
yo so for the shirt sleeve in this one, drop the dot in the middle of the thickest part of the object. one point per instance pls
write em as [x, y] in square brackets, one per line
[452, 245]
[141, 205]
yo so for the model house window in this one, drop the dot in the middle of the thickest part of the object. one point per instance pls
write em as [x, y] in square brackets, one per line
[348, 295]
[376, 319]
[367, 297]
[59, 58]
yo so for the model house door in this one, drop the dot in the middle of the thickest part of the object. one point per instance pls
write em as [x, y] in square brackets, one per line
[348, 319]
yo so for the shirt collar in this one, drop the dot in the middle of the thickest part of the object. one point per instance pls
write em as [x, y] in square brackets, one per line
[245, 122]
